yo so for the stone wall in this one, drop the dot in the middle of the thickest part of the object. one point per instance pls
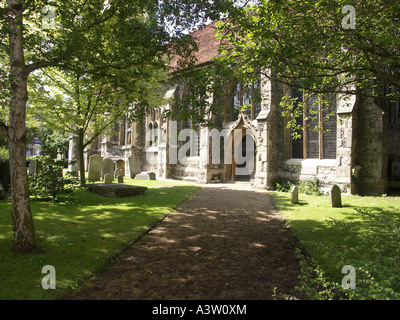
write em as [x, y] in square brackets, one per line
[370, 147]
[393, 136]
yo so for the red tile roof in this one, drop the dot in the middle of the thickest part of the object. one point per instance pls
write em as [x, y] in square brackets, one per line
[207, 44]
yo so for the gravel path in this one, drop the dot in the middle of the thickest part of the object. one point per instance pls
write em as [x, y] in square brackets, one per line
[227, 242]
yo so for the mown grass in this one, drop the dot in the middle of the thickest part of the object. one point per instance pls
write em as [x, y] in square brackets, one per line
[364, 233]
[77, 234]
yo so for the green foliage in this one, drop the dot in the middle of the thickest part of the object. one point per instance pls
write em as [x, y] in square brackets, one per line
[314, 283]
[283, 185]
[375, 256]
[309, 187]
[364, 233]
[304, 44]
[50, 181]
[4, 154]
[78, 235]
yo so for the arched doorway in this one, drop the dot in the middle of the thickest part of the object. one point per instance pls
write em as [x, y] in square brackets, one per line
[243, 148]
[245, 167]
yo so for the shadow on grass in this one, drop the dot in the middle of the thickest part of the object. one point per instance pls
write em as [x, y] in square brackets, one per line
[333, 235]
[77, 234]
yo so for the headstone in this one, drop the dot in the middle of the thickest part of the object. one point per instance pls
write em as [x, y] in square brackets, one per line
[119, 172]
[146, 175]
[134, 165]
[336, 197]
[107, 167]
[120, 179]
[94, 170]
[32, 167]
[120, 164]
[294, 195]
[108, 178]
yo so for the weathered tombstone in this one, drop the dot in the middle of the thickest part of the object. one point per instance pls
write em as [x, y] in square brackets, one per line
[32, 167]
[107, 167]
[120, 179]
[108, 178]
[134, 165]
[146, 175]
[336, 197]
[94, 170]
[119, 172]
[294, 195]
[120, 164]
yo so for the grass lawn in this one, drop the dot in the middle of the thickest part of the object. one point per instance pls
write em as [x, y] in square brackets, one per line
[78, 233]
[364, 233]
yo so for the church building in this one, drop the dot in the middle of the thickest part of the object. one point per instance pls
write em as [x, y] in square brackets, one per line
[358, 148]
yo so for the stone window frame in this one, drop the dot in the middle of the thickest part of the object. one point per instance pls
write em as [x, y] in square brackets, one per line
[288, 140]
[242, 91]
[195, 125]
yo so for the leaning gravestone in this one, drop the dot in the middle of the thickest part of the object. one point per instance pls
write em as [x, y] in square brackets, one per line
[108, 178]
[294, 195]
[107, 167]
[336, 197]
[94, 170]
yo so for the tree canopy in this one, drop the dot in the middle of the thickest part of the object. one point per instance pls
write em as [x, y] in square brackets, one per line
[319, 46]
[102, 39]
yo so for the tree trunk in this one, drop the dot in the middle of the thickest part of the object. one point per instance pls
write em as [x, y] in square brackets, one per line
[81, 157]
[23, 226]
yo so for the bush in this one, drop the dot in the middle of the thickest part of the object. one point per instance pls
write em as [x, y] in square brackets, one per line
[283, 185]
[50, 181]
[310, 187]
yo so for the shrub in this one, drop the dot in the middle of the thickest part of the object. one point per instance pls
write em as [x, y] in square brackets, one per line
[310, 187]
[50, 181]
[314, 284]
[283, 185]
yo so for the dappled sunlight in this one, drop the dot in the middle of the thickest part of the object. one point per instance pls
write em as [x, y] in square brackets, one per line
[80, 231]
